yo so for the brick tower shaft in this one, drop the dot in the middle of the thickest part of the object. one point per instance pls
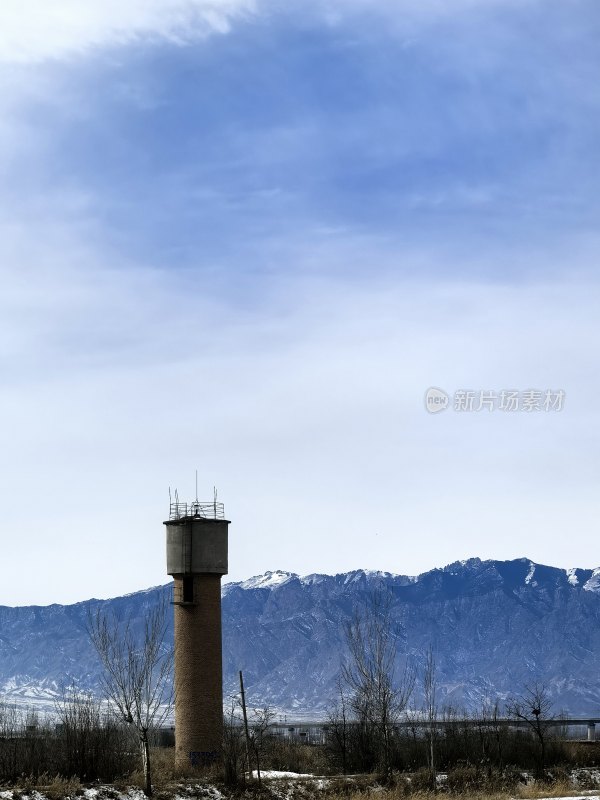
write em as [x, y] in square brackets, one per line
[198, 673]
[197, 550]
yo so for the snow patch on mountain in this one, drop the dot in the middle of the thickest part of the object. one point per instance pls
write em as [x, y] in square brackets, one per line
[530, 574]
[358, 575]
[313, 580]
[269, 580]
[572, 576]
[276, 578]
[377, 573]
[593, 584]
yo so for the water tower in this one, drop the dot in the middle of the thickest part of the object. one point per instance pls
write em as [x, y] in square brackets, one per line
[197, 558]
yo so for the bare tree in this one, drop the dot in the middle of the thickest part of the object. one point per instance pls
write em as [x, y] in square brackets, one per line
[136, 672]
[492, 734]
[80, 721]
[377, 697]
[90, 743]
[234, 753]
[533, 707]
[431, 710]
[12, 735]
[261, 721]
[338, 727]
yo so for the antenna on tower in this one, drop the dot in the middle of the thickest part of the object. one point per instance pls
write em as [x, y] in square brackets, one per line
[215, 500]
[196, 486]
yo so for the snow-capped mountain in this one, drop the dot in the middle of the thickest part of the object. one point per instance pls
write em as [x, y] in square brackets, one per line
[494, 626]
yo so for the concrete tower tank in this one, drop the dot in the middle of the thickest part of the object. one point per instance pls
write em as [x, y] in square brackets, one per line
[197, 558]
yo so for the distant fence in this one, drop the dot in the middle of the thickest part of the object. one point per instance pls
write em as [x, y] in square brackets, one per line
[315, 732]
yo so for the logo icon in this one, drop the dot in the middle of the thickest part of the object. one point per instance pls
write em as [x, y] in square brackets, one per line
[436, 400]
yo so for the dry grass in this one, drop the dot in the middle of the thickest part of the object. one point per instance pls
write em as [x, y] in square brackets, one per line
[560, 788]
[57, 788]
[399, 793]
[464, 783]
[166, 778]
[169, 786]
[404, 789]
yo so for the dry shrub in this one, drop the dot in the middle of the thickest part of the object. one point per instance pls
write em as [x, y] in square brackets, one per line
[583, 754]
[349, 787]
[353, 793]
[293, 756]
[536, 789]
[163, 765]
[467, 779]
[420, 781]
[57, 788]
[27, 785]
[164, 773]
[400, 784]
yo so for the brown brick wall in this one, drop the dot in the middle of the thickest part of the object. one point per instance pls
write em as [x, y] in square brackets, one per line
[198, 673]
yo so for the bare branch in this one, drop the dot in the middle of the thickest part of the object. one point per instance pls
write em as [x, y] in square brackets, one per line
[376, 695]
[136, 671]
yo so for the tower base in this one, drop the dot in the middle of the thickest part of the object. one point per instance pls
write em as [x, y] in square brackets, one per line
[198, 670]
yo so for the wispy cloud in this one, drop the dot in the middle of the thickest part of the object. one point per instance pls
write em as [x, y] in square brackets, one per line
[34, 30]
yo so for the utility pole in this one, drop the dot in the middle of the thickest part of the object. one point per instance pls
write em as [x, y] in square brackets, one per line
[245, 725]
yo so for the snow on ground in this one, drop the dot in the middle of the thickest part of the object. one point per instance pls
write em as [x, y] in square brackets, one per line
[209, 792]
[275, 773]
[35, 795]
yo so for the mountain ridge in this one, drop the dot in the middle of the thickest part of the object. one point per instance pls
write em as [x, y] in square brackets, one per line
[495, 625]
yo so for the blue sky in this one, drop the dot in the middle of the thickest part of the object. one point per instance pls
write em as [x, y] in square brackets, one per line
[245, 237]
